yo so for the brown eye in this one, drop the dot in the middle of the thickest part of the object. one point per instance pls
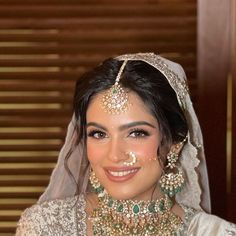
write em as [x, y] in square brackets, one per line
[97, 134]
[139, 133]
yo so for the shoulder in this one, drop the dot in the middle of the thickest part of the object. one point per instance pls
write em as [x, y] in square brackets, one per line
[41, 219]
[206, 224]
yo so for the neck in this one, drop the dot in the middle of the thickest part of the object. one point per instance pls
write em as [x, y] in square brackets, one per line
[151, 194]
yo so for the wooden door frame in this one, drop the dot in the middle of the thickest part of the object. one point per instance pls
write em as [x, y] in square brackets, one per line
[213, 68]
[232, 194]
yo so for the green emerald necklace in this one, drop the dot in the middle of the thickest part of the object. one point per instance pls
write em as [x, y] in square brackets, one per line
[130, 217]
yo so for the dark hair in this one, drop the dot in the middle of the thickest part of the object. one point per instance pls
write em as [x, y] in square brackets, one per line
[150, 85]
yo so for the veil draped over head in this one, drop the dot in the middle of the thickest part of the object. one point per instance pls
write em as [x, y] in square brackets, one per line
[195, 194]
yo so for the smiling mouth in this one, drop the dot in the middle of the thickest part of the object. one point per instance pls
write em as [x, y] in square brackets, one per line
[121, 175]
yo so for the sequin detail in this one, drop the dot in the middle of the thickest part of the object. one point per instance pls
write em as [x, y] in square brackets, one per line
[189, 213]
[232, 230]
[180, 86]
[65, 217]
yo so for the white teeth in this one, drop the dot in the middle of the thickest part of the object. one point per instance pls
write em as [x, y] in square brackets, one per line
[121, 173]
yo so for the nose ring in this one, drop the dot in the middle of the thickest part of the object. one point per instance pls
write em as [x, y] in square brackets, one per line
[133, 159]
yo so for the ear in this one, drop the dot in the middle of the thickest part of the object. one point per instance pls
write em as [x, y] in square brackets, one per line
[177, 147]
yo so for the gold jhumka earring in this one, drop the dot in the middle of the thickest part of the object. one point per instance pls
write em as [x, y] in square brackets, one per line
[115, 100]
[173, 180]
[96, 185]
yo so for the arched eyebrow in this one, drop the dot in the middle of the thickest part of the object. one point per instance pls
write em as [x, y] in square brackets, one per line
[96, 125]
[136, 123]
[123, 127]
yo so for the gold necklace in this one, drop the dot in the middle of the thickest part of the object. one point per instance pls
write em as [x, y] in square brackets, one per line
[140, 218]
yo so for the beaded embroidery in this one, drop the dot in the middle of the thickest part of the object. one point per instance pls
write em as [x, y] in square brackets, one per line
[67, 217]
[180, 86]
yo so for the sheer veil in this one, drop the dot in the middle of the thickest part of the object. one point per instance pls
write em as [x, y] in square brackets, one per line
[192, 159]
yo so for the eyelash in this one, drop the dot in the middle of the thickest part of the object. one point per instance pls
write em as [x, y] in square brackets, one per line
[142, 133]
[92, 134]
[138, 133]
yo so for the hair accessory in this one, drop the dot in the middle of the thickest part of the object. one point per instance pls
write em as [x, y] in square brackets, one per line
[179, 85]
[133, 159]
[173, 182]
[115, 100]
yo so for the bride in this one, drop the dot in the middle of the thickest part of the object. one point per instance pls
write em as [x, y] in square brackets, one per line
[133, 160]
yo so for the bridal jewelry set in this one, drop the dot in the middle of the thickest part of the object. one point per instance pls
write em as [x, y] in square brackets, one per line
[131, 217]
[140, 218]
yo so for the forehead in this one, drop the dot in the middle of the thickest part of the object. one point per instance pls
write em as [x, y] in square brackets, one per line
[137, 111]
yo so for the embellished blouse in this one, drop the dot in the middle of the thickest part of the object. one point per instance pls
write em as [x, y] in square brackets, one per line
[67, 217]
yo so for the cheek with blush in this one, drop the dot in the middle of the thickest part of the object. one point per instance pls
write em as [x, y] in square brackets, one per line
[147, 152]
[95, 155]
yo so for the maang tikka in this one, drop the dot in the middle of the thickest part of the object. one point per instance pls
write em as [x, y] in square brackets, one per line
[173, 180]
[116, 100]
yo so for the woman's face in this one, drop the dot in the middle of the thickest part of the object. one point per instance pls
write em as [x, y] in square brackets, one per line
[111, 137]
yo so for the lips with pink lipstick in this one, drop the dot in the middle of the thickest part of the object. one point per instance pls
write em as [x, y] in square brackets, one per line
[121, 174]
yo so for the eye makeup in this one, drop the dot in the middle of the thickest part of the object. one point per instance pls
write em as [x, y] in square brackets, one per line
[138, 133]
[95, 133]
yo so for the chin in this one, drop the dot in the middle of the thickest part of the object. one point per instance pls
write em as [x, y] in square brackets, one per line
[118, 194]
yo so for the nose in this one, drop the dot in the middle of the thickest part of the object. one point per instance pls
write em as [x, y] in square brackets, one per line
[116, 151]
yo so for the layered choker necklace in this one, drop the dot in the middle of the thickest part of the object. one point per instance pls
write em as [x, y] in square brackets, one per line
[132, 217]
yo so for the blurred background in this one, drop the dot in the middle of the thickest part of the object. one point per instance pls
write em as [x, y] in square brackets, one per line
[45, 45]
